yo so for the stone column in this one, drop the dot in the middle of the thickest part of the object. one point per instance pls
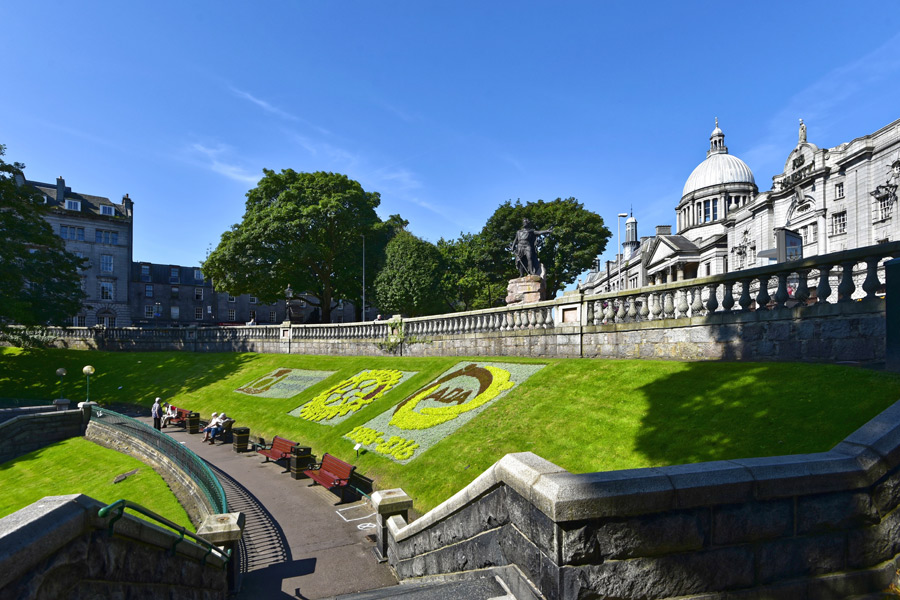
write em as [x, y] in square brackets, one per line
[225, 531]
[388, 503]
[679, 271]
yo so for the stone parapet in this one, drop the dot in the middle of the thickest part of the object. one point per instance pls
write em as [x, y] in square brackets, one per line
[820, 525]
[31, 430]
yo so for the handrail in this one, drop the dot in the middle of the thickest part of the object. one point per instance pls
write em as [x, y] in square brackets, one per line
[121, 505]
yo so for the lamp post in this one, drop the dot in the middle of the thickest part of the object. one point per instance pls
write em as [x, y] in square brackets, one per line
[619, 248]
[88, 370]
[60, 372]
[288, 296]
[364, 280]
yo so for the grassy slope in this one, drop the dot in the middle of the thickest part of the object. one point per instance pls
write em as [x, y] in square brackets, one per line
[76, 466]
[584, 415]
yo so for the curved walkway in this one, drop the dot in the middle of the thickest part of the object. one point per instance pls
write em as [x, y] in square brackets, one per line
[300, 541]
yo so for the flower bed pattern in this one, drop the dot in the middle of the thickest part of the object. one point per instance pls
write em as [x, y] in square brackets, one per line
[438, 409]
[283, 383]
[340, 401]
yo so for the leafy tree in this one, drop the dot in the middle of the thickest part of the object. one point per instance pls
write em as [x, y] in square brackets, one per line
[410, 282]
[39, 280]
[466, 281]
[579, 235]
[304, 230]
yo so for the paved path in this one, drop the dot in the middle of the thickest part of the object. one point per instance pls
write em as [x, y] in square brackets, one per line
[300, 540]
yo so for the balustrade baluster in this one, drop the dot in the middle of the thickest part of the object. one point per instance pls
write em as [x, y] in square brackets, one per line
[872, 283]
[681, 304]
[697, 304]
[620, 311]
[656, 306]
[744, 301]
[712, 303]
[539, 318]
[762, 297]
[548, 317]
[846, 287]
[644, 311]
[668, 306]
[632, 309]
[781, 294]
[823, 290]
[589, 313]
[609, 315]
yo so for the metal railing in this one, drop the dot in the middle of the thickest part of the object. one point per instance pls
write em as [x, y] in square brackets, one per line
[119, 507]
[189, 462]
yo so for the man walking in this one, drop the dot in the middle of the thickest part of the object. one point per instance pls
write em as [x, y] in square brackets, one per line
[156, 412]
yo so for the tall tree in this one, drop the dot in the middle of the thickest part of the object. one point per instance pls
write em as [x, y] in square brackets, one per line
[39, 280]
[410, 282]
[466, 280]
[299, 229]
[579, 235]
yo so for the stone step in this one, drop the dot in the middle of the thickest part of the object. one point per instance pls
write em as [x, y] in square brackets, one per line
[484, 588]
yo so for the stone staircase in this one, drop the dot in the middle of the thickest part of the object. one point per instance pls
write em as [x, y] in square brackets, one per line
[498, 583]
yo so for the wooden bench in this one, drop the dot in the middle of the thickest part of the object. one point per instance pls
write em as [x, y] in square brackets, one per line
[180, 417]
[279, 449]
[331, 473]
[224, 435]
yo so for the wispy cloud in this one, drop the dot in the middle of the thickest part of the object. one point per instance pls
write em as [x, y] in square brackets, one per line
[212, 159]
[274, 110]
[515, 163]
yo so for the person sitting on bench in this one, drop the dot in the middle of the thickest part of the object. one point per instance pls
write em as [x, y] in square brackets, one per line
[171, 413]
[214, 427]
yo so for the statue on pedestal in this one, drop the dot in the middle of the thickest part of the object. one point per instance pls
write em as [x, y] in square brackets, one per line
[525, 249]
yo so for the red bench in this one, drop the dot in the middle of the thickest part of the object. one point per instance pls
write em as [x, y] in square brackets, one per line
[180, 417]
[331, 473]
[279, 449]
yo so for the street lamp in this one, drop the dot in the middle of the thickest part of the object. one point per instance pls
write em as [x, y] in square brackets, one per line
[288, 295]
[364, 280]
[619, 247]
[61, 372]
[88, 370]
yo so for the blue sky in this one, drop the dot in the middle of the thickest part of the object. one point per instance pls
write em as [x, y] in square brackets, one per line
[445, 108]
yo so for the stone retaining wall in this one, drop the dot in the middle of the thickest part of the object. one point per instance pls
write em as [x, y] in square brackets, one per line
[31, 430]
[59, 548]
[188, 492]
[821, 526]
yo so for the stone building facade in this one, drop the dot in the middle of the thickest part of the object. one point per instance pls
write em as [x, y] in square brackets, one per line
[99, 230]
[835, 199]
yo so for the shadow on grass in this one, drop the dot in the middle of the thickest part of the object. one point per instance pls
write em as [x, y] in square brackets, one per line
[718, 411]
[119, 377]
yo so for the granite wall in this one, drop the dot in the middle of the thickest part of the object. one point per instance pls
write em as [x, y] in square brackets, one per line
[31, 430]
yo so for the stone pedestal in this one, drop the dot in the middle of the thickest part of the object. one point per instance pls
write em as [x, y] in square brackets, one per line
[225, 531]
[526, 290]
[61, 403]
[388, 503]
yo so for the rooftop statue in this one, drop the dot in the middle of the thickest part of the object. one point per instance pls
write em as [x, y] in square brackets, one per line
[525, 249]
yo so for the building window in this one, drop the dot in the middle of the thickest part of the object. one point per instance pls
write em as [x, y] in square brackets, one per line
[839, 222]
[232, 298]
[176, 312]
[148, 311]
[884, 207]
[174, 274]
[809, 233]
[198, 274]
[198, 313]
[79, 321]
[252, 299]
[706, 210]
[273, 316]
[708, 269]
[633, 282]
[198, 293]
[252, 315]
[106, 263]
[175, 291]
[67, 232]
[101, 236]
[145, 272]
[106, 290]
[107, 210]
[73, 205]
[715, 206]
[148, 290]
[231, 314]
[839, 190]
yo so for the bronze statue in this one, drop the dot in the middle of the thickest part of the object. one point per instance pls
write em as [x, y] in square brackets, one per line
[525, 249]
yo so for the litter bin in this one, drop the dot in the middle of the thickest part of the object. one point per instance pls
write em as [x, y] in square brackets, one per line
[193, 422]
[301, 459]
[240, 438]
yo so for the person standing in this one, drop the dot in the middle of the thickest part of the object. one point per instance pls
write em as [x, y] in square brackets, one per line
[156, 413]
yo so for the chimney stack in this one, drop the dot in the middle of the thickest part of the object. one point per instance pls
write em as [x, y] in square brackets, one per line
[61, 190]
[663, 230]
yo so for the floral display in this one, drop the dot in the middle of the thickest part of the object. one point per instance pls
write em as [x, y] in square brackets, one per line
[439, 408]
[283, 383]
[343, 399]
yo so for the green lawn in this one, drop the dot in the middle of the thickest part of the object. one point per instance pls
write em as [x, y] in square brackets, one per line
[78, 466]
[584, 415]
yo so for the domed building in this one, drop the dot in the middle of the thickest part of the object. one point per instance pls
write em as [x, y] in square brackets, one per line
[835, 199]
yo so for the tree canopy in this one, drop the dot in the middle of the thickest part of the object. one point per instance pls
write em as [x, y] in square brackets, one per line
[302, 229]
[466, 281]
[578, 236]
[410, 281]
[39, 279]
